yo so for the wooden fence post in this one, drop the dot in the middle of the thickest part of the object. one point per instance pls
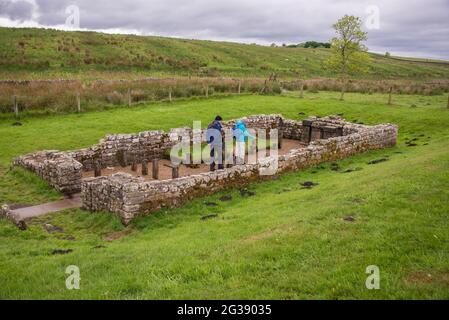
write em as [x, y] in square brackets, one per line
[240, 87]
[155, 169]
[389, 95]
[129, 97]
[170, 95]
[78, 102]
[16, 107]
[301, 92]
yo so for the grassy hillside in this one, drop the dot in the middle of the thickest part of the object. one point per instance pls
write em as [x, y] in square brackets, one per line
[38, 53]
[285, 242]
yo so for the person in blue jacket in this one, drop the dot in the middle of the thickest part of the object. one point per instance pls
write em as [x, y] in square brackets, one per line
[215, 141]
[241, 135]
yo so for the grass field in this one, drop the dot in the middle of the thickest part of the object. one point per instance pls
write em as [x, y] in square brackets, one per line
[38, 53]
[285, 242]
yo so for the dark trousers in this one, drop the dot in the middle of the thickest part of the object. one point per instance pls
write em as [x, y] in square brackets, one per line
[212, 158]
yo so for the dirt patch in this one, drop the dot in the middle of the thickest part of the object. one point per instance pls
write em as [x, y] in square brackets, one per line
[226, 198]
[410, 144]
[68, 238]
[61, 251]
[247, 193]
[358, 201]
[349, 170]
[209, 216]
[349, 219]
[335, 166]
[51, 228]
[118, 234]
[309, 185]
[425, 278]
[376, 161]
[268, 234]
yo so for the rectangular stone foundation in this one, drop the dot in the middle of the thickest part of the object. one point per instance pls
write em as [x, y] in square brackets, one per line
[326, 139]
[130, 197]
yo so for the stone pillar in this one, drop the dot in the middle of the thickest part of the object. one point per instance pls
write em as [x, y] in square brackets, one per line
[155, 169]
[307, 131]
[175, 172]
[97, 169]
[145, 167]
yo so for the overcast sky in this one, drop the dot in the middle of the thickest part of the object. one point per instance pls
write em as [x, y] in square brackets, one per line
[403, 27]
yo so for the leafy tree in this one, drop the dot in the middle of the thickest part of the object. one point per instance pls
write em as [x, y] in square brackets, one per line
[349, 54]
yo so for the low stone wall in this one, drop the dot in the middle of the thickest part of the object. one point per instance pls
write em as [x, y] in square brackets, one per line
[7, 213]
[130, 197]
[122, 149]
[292, 129]
[61, 171]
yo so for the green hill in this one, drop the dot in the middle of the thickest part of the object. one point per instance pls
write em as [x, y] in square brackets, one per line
[26, 53]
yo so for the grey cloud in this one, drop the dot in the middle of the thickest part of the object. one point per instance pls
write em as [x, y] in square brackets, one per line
[405, 25]
[17, 10]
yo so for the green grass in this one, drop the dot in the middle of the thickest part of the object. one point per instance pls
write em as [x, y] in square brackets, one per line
[37, 53]
[285, 242]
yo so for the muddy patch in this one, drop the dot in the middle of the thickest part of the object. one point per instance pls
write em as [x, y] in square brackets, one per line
[61, 251]
[349, 170]
[349, 219]
[268, 234]
[51, 228]
[376, 161]
[210, 204]
[117, 235]
[309, 185]
[247, 193]
[426, 278]
[225, 198]
[335, 167]
[357, 201]
[209, 216]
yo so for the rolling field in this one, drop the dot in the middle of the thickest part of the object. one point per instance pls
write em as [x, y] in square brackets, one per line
[42, 54]
[285, 242]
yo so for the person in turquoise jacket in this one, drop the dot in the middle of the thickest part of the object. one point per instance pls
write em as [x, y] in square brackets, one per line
[241, 135]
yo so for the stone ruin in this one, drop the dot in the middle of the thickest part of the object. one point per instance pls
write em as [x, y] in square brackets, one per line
[128, 195]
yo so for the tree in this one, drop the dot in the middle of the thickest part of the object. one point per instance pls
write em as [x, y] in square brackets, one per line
[349, 55]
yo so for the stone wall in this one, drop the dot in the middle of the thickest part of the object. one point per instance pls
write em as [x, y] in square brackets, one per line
[121, 149]
[61, 171]
[7, 213]
[130, 197]
[292, 129]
